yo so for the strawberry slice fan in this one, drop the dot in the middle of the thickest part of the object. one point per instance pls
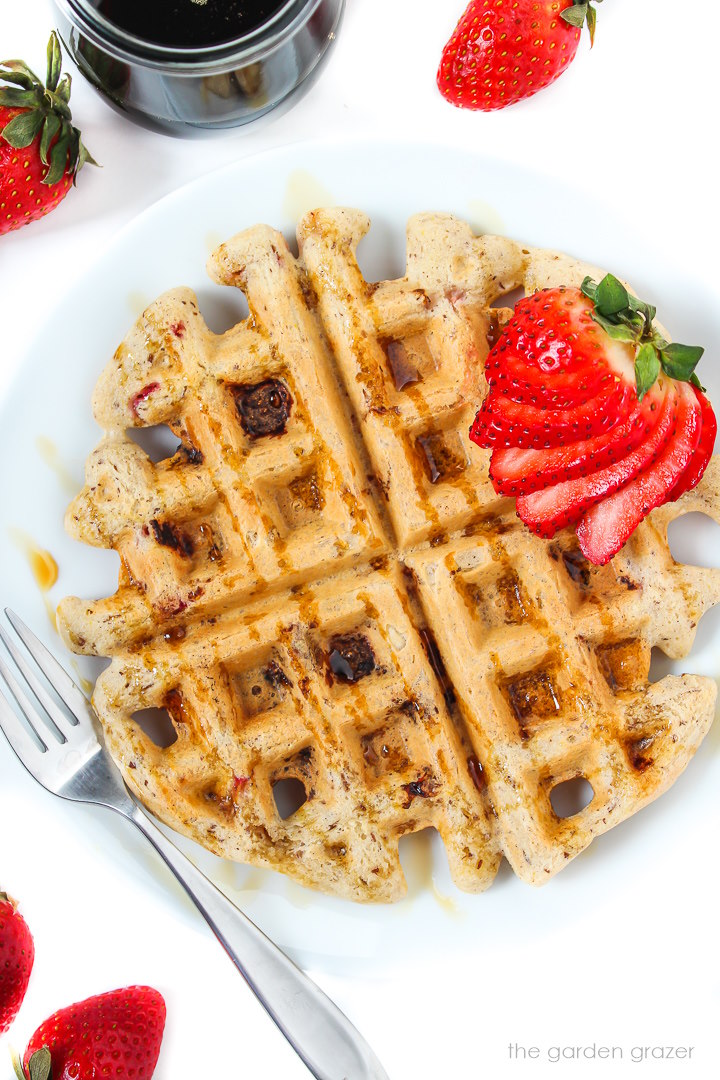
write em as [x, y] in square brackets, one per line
[592, 417]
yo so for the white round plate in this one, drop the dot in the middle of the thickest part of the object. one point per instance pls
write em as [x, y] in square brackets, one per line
[615, 919]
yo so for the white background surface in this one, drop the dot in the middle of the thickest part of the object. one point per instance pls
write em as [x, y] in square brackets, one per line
[633, 123]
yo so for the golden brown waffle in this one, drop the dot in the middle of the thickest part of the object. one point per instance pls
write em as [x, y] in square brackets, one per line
[321, 586]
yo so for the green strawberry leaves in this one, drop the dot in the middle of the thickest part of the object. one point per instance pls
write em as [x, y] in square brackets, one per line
[625, 318]
[45, 110]
[54, 63]
[39, 1065]
[18, 72]
[50, 129]
[647, 368]
[14, 98]
[611, 297]
[579, 13]
[23, 129]
[680, 361]
[58, 160]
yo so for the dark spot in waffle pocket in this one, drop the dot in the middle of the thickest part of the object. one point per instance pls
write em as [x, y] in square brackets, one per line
[442, 455]
[191, 454]
[578, 568]
[423, 788]
[402, 368]
[169, 535]
[350, 657]
[275, 677]
[638, 753]
[264, 409]
[533, 697]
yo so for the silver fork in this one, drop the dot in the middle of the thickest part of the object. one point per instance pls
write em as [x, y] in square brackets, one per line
[68, 758]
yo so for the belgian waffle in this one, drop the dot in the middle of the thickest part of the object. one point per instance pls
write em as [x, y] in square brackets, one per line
[320, 586]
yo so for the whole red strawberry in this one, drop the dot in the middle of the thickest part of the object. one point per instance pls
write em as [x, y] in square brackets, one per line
[41, 152]
[17, 954]
[116, 1034]
[502, 51]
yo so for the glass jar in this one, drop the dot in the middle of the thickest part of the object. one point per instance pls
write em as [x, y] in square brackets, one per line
[191, 90]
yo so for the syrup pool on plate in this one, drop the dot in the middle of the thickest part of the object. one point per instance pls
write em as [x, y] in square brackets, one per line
[187, 23]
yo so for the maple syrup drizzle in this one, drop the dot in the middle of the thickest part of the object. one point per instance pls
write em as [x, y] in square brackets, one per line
[44, 568]
[42, 565]
[477, 773]
[50, 454]
[436, 663]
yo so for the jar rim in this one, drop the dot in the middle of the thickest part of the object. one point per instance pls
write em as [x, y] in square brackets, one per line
[253, 45]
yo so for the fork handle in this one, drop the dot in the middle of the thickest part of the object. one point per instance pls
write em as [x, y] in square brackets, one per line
[317, 1030]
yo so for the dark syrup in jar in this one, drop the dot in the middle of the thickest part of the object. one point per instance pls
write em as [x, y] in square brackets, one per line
[189, 23]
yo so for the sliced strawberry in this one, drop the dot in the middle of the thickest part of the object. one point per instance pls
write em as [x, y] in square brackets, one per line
[555, 507]
[614, 393]
[584, 400]
[538, 366]
[553, 331]
[502, 422]
[553, 357]
[607, 525]
[515, 472]
[549, 391]
[703, 452]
